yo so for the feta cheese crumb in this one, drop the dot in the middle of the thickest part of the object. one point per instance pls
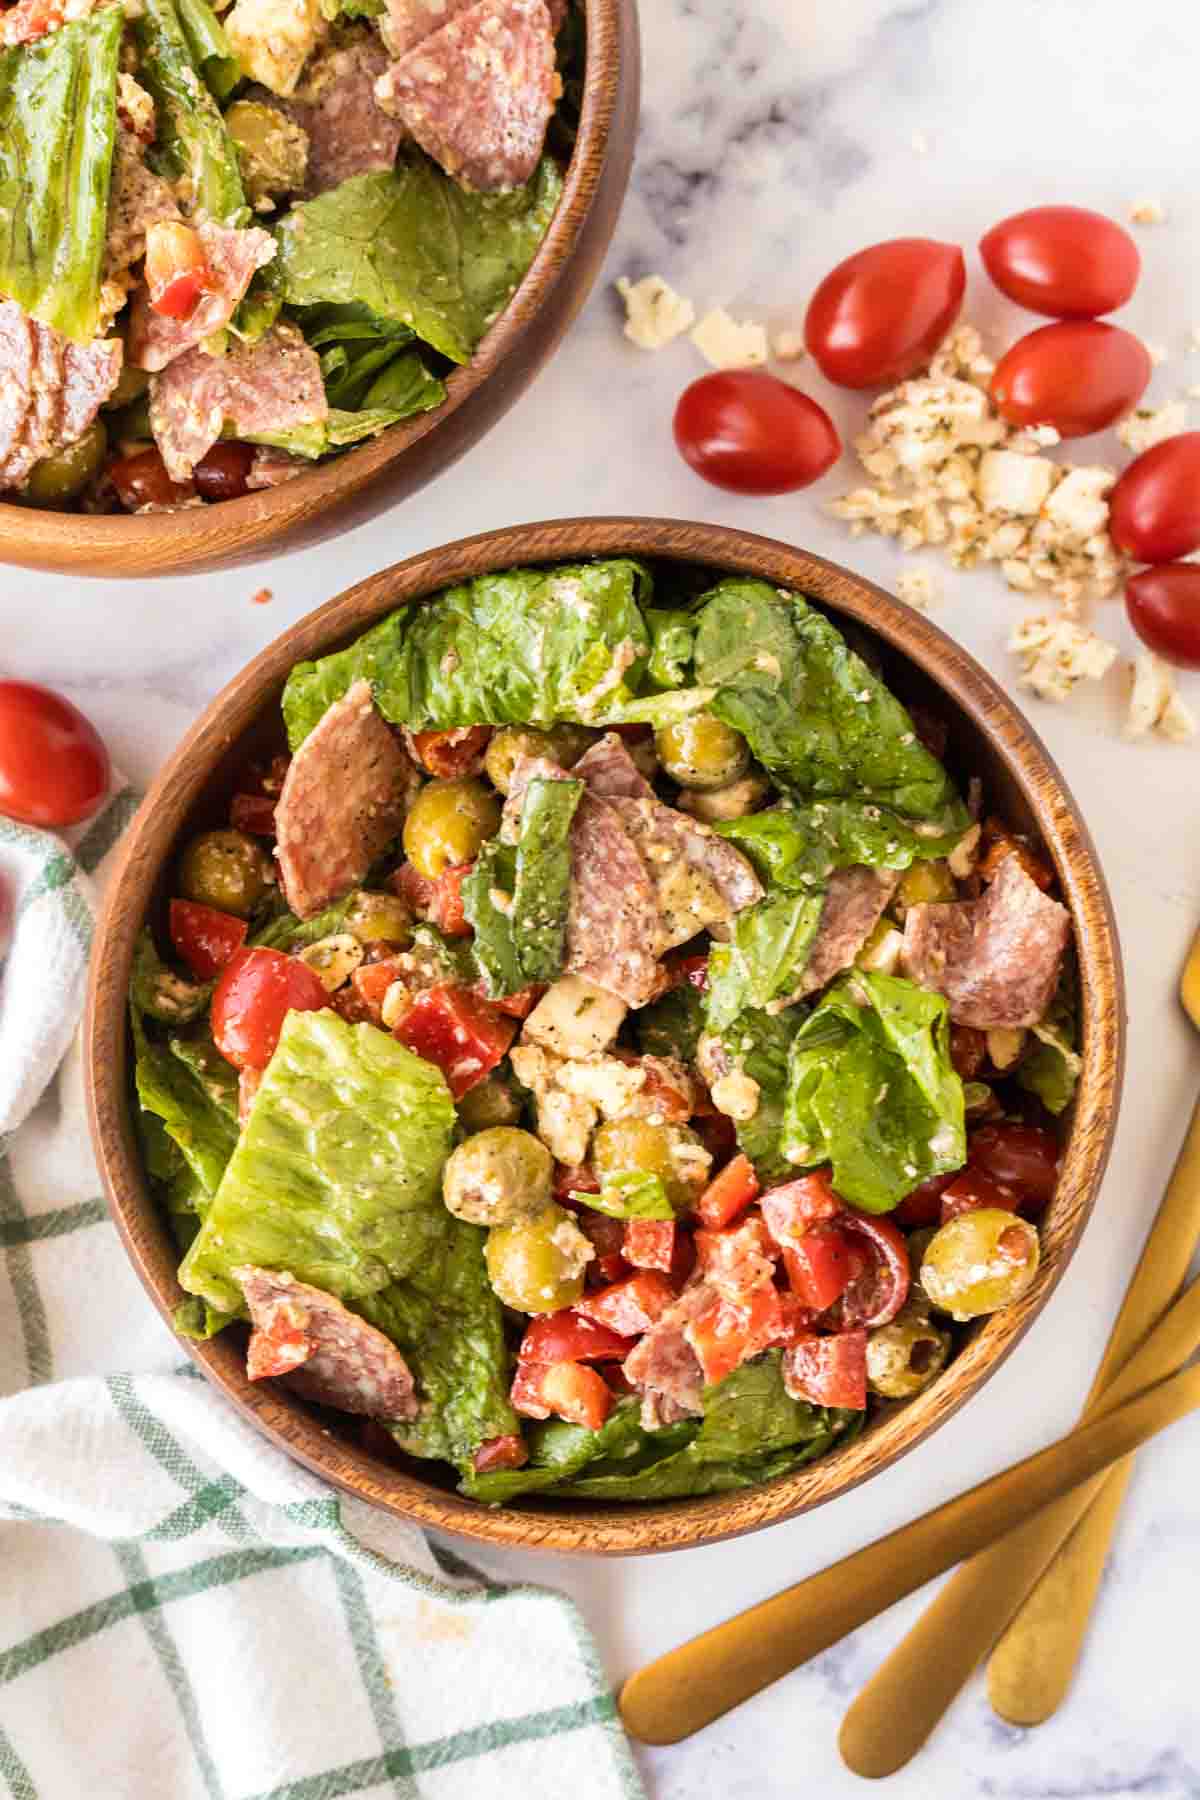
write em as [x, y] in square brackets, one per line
[1148, 212]
[1057, 652]
[1012, 483]
[1146, 427]
[729, 343]
[654, 313]
[918, 588]
[1078, 505]
[1154, 704]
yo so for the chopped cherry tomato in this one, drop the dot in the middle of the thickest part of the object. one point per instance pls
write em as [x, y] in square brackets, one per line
[142, 480]
[439, 901]
[820, 1266]
[1079, 376]
[177, 271]
[54, 769]
[1024, 1157]
[924, 1205]
[1062, 260]
[828, 1371]
[458, 752]
[883, 312]
[727, 1332]
[738, 1257]
[205, 937]
[878, 1291]
[1154, 510]
[256, 992]
[577, 1393]
[793, 1209]
[630, 1306]
[463, 1035]
[507, 1452]
[796, 1319]
[371, 981]
[650, 1244]
[254, 813]
[750, 433]
[972, 1189]
[731, 1193]
[568, 1336]
[1163, 604]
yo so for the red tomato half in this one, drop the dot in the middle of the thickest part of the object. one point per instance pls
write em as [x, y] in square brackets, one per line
[205, 937]
[924, 1205]
[1163, 604]
[747, 432]
[883, 312]
[254, 996]
[142, 480]
[1017, 1156]
[464, 1036]
[1062, 260]
[828, 1371]
[568, 1337]
[54, 769]
[819, 1266]
[1079, 376]
[1154, 510]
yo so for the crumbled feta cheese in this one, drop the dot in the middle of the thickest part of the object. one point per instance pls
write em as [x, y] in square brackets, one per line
[654, 313]
[1148, 212]
[1058, 652]
[736, 1095]
[729, 343]
[918, 588]
[1146, 427]
[1154, 704]
[1078, 506]
[1012, 483]
[273, 39]
[788, 346]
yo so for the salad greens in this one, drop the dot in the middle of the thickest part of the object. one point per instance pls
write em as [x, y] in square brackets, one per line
[799, 845]
[190, 1114]
[543, 874]
[759, 1043]
[210, 49]
[1051, 1069]
[765, 957]
[58, 124]
[671, 1026]
[193, 146]
[872, 1091]
[630, 1194]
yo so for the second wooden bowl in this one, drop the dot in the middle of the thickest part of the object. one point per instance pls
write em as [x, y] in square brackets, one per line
[988, 738]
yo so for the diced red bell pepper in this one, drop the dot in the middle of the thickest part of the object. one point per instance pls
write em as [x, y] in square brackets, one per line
[650, 1243]
[570, 1389]
[439, 901]
[567, 1336]
[457, 752]
[971, 1189]
[371, 981]
[924, 1205]
[728, 1332]
[254, 813]
[820, 1266]
[507, 1452]
[793, 1209]
[574, 1178]
[205, 937]
[520, 1005]
[828, 1371]
[463, 1035]
[177, 271]
[796, 1319]
[607, 1237]
[731, 1193]
[630, 1306]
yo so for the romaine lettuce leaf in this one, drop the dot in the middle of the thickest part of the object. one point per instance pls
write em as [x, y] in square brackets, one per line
[286, 932]
[765, 957]
[671, 1026]
[336, 1175]
[515, 898]
[211, 52]
[493, 944]
[522, 646]
[193, 146]
[413, 247]
[199, 1124]
[759, 1043]
[58, 126]
[795, 845]
[1051, 1069]
[630, 1194]
[872, 1090]
[158, 991]
[672, 636]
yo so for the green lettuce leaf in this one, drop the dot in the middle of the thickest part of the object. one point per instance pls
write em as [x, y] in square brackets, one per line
[759, 1043]
[515, 898]
[193, 147]
[671, 1026]
[872, 1090]
[350, 323]
[797, 846]
[523, 646]
[211, 52]
[413, 247]
[630, 1194]
[764, 958]
[336, 1175]
[159, 992]
[58, 126]
[672, 636]
[200, 1125]
[1051, 1069]
[812, 711]
[217, 1077]
[286, 932]
[494, 944]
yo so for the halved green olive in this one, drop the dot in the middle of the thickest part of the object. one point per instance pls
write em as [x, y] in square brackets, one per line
[61, 478]
[672, 1152]
[702, 752]
[448, 824]
[492, 1101]
[375, 918]
[904, 1356]
[563, 744]
[979, 1262]
[501, 1176]
[226, 869]
[537, 1265]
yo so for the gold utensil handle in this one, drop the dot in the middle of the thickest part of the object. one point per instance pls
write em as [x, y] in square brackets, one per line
[691, 1686]
[1034, 1663]
[930, 1665]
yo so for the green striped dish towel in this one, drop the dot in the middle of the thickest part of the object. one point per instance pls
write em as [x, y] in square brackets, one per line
[184, 1613]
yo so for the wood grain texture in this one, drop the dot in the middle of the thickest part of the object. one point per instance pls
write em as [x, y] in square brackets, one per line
[338, 494]
[987, 736]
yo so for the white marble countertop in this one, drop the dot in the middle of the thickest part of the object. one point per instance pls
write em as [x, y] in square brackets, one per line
[778, 135]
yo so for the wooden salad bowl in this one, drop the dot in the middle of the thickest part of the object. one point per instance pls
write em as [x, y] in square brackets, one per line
[988, 737]
[340, 493]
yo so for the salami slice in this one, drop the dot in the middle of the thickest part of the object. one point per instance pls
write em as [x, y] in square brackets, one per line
[42, 421]
[996, 959]
[407, 23]
[233, 255]
[349, 133]
[50, 390]
[90, 373]
[699, 880]
[16, 380]
[269, 387]
[610, 772]
[664, 1365]
[327, 1353]
[344, 799]
[137, 199]
[854, 903]
[613, 922]
[478, 94]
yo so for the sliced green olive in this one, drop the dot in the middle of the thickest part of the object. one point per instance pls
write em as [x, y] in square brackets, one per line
[57, 480]
[501, 1176]
[492, 1101]
[226, 869]
[702, 752]
[448, 823]
[562, 744]
[375, 918]
[537, 1266]
[979, 1262]
[272, 150]
[904, 1356]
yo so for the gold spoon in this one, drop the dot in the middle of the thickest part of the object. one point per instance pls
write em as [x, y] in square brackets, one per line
[698, 1682]
[963, 1621]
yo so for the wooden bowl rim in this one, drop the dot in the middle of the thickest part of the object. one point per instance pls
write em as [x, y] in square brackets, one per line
[570, 1527]
[205, 536]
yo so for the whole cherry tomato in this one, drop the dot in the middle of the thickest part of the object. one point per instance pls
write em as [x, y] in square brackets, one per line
[1079, 376]
[1062, 260]
[1017, 1156]
[883, 312]
[1154, 510]
[748, 432]
[54, 770]
[1163, 604]
[256, 992]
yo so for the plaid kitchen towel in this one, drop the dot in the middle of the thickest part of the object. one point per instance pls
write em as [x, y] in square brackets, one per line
[184, 1613]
